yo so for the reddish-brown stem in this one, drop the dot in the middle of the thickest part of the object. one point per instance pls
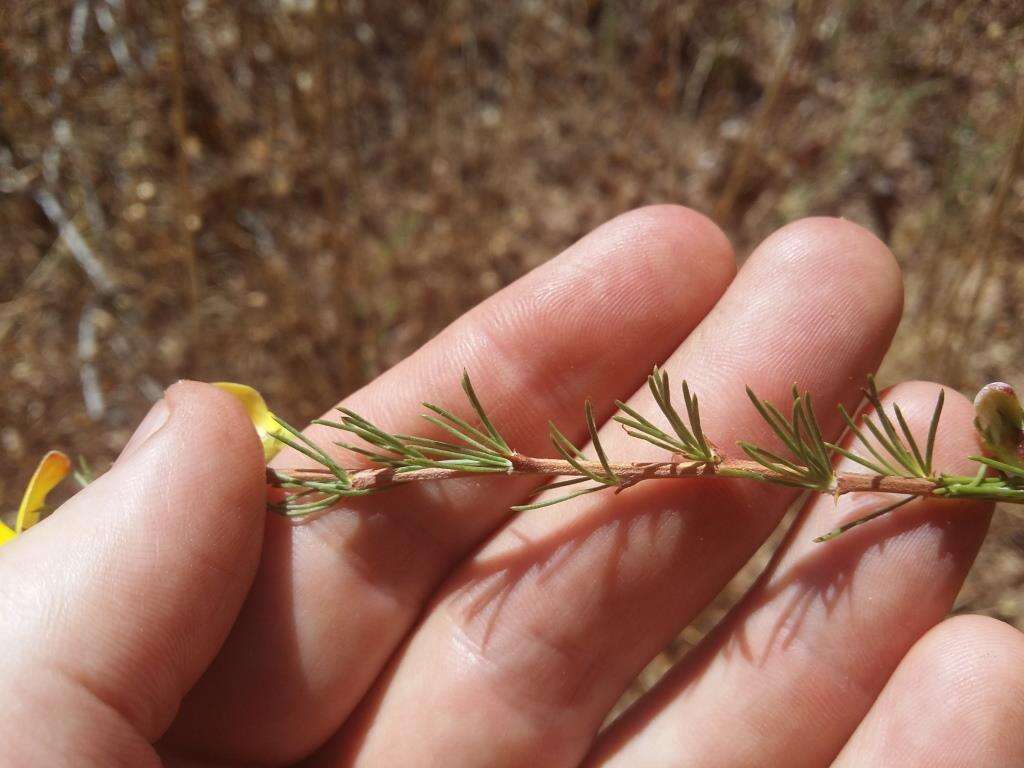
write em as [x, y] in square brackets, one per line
[630, 473]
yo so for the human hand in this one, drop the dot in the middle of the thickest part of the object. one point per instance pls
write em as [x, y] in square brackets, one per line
[428, 626]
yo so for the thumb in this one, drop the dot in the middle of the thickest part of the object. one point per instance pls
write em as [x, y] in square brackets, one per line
[113, 606]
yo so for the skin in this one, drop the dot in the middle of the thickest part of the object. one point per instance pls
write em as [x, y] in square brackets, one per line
[161, 615]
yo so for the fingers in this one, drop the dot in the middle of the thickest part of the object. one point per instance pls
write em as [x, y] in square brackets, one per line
[955, 701]
[115, 604]
[537, 636]
[802, 657]
[336, 596]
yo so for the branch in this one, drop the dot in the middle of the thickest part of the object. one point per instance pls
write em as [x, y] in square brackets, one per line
[629, 473]
[897, 464]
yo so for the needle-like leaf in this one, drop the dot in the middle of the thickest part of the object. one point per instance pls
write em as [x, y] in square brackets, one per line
[861, 520]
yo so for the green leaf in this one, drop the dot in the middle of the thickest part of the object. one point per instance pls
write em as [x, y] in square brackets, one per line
[861, 520]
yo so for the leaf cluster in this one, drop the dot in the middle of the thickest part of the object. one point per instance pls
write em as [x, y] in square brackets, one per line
[476, 449]
[687, 440]
[895, 452]
[811, 465]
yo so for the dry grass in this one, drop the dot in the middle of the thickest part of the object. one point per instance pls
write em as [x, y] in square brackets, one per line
[321, 186]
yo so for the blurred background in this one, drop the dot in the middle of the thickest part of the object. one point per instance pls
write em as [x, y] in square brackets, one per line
[298, 193]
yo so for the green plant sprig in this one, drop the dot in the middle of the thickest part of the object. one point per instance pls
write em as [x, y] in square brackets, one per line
[811, 466]
[905, 459]
[688, 441]
[893, 459]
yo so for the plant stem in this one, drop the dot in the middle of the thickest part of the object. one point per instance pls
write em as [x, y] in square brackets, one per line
[631, 473]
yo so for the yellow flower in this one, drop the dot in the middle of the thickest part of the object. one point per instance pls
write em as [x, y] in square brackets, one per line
[53, 468]
[264, 421]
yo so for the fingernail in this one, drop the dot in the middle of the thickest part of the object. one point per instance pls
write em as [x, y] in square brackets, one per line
[155, 419]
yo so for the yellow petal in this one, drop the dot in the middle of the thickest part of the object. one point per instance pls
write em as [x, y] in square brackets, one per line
[54, 467]
[264, 421]
[6, 533]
